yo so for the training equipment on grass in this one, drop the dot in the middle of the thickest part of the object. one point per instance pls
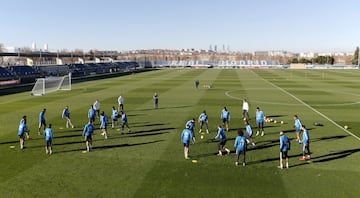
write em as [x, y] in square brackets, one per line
[202, 137]
[12, 147]
[194, 161]
[51, 84]
[346, 127]
[282, 122]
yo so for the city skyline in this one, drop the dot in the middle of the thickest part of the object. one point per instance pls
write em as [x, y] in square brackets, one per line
[317, 26]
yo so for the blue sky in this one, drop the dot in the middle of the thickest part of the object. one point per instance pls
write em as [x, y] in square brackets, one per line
[245, 25]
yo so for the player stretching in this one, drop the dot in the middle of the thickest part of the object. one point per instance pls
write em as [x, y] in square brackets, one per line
[284, 148]
[88, 133]
[66, 114]
[48, 133]
[306, 143]
[204, 120]
[245, 107]
[22, 131]
[124, 121]
[92, 114]
[114, 117]
[249, 133]
[186, 136]
[240, 147]
[42, 120]
[222, 136]
[191, 126]
[260, 120]
[298, 126]
[225, 116]
[103, 124]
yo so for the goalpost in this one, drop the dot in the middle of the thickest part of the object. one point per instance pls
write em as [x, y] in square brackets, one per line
[51, 84]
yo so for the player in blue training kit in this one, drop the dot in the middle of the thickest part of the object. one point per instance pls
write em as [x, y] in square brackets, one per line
[240, 147]
[42, 120]
[191, 126]
[260, 121]
[66, 114]
[284, 148]
[222, 136]
[186, 137]
[103, 124]
[298, 126]
[48, 133]
[249, 133]
[92, 114]
[306, 143]
[225, 116]
[23, 129]
[204, 120]
[88, 133]
[114, 117]
[124, 121]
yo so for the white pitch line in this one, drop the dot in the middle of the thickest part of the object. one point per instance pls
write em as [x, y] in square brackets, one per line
[308, 106]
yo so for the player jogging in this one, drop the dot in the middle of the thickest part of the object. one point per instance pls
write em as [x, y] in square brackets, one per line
[114, 117]
[22, 131]
[186, 137]
[48, 133]
[197, 82]
[284, 148]
[306, 143]
[245, 107]
[88, 133]
[260, 121]
[42, 120]
[249, 133]
[204, 120]
[222, 136]
[240, 147]
[225, 116]
[91, 114]
[103, 124]
[298, 127]
[66, 114]
[124, 121]
[191, 126]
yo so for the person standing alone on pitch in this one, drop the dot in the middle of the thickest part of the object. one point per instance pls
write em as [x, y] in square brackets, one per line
[240, 147]
[204, 120]
[222, 136]
[66, 114]
[186, 137]
[306, 143]
[260, 121]
[245, 107]
[48, 133]
[197, 83]
[284, 148]
[156, 100]
[298, 127]
[225, 116]
[42, 120]
[121, 103]
[23, 129]
[88, 133]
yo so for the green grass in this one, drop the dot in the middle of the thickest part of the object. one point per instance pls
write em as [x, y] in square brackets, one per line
[149, 161]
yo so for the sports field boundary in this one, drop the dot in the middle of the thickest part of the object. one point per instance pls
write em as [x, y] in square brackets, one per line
[305, 104]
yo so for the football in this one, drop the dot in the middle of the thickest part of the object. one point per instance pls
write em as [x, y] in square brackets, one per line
[346, 127]
[202, 137]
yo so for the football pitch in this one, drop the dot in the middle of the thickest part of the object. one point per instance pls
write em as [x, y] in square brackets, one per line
[149, 161]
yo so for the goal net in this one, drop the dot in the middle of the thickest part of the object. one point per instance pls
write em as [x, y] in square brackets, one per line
[51, 84]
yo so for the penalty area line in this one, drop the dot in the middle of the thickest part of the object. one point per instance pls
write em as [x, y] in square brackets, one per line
[308, 106]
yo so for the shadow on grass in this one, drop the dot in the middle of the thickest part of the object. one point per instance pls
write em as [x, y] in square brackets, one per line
[111, 146]
[176, 107]
[276, 116]
[149, 125]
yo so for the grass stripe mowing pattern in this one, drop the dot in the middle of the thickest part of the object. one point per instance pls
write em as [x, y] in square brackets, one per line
[149, 162]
